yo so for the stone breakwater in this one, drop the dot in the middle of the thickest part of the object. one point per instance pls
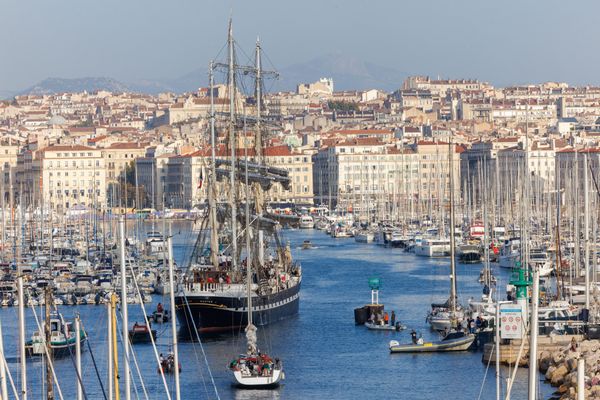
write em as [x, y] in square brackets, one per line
[560, 367]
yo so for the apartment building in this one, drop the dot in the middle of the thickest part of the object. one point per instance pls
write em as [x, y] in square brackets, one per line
[541, 166]
[72, 175]
[300, 169]
[119, 156]
[151, 173]
[8, 164]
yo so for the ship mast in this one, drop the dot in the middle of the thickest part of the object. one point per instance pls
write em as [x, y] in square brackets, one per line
[232, 144]
[258, 83]
[212, 191]
[452, 244]
[250, 328]
[258, 193]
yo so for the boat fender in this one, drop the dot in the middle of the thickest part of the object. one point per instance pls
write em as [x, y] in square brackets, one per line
[394, 343]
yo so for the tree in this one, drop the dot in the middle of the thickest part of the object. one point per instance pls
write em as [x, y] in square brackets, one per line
[340, 105]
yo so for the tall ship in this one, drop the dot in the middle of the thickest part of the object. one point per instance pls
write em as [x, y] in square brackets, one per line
[213, 295]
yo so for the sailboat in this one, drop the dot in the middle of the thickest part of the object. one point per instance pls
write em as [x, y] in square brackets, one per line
[444, 317]
[253, 369]
[214, 294]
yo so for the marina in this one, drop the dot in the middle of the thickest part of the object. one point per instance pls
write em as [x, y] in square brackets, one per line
[259, 233]
[321, 355]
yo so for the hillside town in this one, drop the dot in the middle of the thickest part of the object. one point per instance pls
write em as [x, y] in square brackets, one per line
[106, 151]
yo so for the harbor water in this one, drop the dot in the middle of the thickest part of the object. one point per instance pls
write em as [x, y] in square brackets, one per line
[324, 354]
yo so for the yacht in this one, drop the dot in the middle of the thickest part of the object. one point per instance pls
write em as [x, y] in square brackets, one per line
[307, 222]
[433, 248]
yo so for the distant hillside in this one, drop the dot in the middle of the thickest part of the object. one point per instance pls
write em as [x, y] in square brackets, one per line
[347, 73]
[89, 84]
[6, 94]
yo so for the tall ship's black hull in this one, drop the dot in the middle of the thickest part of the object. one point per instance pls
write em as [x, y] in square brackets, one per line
[215, 313]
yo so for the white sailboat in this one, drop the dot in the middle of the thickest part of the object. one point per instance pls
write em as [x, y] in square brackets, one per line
[445, 317]
[253, 369]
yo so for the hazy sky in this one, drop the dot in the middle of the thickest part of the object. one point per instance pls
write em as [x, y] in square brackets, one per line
[502, 41]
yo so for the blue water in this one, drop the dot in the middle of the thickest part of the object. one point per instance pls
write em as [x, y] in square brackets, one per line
[325, 355]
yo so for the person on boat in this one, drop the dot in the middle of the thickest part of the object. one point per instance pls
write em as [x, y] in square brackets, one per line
[372, 318]
[159, 308]
[478, 322]
[161, 359]
[413, 336]
[420, 341]
[393, 319]
[386, 318]
[484, 323]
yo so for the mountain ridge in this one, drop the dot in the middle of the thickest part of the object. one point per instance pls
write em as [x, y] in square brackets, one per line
[347, 72]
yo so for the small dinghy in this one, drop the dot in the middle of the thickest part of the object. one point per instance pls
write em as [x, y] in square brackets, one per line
[306, 245]
[454, 341]
[168, 364]
[141, 333]
[385, 327]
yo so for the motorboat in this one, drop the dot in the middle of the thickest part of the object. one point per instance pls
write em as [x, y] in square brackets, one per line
[469, 254]
[307, 244]
[540, 258]
[306, 222]
[364, 236]
[454, 341]
[62, 339]
[141, 333]
[433, 248]
[509, 253]
[385, 327]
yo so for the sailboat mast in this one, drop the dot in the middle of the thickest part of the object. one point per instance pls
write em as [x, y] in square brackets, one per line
[486, 233]
[232, 144]
[172, 288]
[115, 350]
[48, 335]
[533, 331]
[452, 239]
[3, 386]
[125, 322]
[586, 231]
[78, 357]
[21, 299]
[248, 240]
[109, 355]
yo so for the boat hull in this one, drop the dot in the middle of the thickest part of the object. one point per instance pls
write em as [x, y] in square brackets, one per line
[259, 382]
[460, 344]
[215, 314]
[59, 350]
